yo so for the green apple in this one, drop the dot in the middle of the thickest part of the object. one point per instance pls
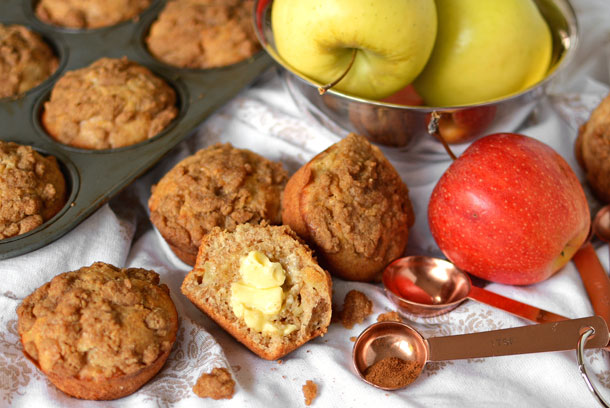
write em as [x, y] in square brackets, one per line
[485, 50]
[393, 40]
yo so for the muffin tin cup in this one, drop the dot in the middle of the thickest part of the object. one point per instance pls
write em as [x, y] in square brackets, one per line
[95, 176]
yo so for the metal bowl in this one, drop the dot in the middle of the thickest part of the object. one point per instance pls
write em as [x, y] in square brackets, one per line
[399, 125]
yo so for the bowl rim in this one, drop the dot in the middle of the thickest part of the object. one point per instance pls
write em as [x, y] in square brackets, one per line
[568, 43]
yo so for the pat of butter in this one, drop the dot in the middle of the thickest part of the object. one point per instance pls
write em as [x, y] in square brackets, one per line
[267, 301]
[258, 271]
[258, 297]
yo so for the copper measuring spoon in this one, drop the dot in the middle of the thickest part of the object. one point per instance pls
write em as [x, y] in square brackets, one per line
[393, 339]
[426, 286]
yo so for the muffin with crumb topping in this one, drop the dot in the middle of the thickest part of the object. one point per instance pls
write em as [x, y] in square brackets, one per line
[32, 189]
[110, 104]
[100, 332]
[592, 150]
[351, 206]
[25, 60]
[88, 13]
[203, 33]
[219, 186]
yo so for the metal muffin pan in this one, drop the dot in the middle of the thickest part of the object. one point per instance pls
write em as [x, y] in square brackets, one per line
[95, 176]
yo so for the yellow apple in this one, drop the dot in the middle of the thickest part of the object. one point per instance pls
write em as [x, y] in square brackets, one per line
[393, 39]
[485, 50]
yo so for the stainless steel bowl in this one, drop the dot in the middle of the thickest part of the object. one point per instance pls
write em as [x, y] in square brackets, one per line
[399, 125]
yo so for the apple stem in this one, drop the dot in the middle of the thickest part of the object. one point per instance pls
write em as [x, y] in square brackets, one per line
[433, 129]
[322, 90]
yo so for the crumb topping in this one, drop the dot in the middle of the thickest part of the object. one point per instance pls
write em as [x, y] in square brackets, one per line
[358, 197]
[25, 60]
[88, 13]
[111, 103]
[219, 186]
[32, 189]
[98, 322]
[204, 33]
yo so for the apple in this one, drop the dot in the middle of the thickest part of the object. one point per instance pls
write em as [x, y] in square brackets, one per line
[389, 127]
[485, 50]
[406, 96]
[463, 125]
[393, 40]
[509, 210]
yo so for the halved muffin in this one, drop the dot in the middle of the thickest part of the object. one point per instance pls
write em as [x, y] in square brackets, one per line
[262, 285]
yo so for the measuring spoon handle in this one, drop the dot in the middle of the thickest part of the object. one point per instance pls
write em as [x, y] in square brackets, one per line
[515, 307]
[536, 338]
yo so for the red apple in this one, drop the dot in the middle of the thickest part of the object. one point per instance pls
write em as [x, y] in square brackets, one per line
[509, 210]
[406, 96]
[465, 124]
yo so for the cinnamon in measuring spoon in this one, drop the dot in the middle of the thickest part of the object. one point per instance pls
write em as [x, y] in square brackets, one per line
[392, 372]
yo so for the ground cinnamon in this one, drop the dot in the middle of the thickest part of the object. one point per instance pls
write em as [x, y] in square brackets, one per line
[392, 372]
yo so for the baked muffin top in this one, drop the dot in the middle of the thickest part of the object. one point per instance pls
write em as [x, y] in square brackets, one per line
[98, 322]
[203, 33]
[593, 150]
[350, 203]
[219, 186]
[88, 13]
[32, 189]
[111, 103]
[25, 60]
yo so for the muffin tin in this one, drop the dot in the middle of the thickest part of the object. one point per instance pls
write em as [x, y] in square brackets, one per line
[94, 176]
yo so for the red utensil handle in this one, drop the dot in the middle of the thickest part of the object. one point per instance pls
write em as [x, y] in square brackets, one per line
[515, 307]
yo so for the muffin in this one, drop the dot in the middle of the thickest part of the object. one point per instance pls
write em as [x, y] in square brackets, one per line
[100, 332]
[32, 189]
[592, 150]
[351, 206]
[111, 103]
[219, 186]
[203, 33]
[25, 60]
[262, 285]
[88, 13]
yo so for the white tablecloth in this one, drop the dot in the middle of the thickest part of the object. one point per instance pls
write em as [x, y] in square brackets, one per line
[265, 120]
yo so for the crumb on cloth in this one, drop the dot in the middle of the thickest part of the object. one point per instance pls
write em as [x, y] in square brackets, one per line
[356, 307]
[217, 384]
[310, 391]
[392, 316]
